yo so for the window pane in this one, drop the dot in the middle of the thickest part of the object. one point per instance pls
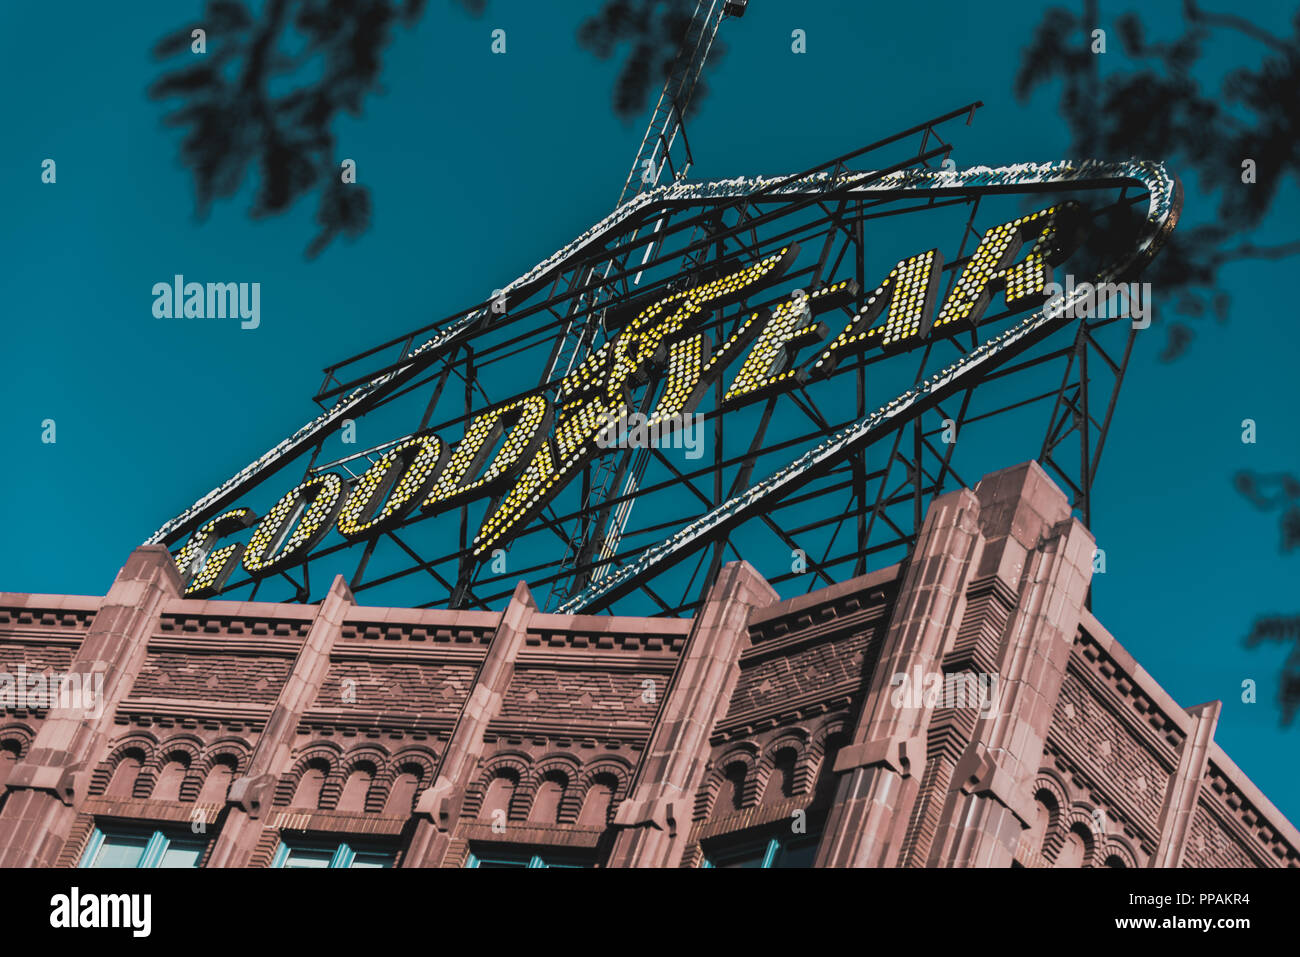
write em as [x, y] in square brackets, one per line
[785, 850]
[309, 857]
[524, 857]
[800, 853]
[182, 854]
[120, 850]
[343, 854]
[750, 854]
[749, 860]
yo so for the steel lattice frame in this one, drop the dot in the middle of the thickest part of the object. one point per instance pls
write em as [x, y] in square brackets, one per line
[840, 470]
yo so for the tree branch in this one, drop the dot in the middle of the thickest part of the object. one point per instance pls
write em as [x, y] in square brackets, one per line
[1232, 22]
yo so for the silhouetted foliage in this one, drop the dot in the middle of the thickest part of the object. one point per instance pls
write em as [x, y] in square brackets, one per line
[1282, 628]
[261, 103]
[1278, 492]
[1157, 105]
[654, 32]
[1269, 492]
[265, 95]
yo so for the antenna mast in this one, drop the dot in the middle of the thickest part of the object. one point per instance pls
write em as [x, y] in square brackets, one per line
[658, 151]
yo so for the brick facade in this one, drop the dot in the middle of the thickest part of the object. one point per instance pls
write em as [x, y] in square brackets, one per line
[446, 736]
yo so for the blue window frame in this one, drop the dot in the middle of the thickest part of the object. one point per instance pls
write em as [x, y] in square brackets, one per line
[767, 850]
[508, 856]
[123, 845]
[297, 852]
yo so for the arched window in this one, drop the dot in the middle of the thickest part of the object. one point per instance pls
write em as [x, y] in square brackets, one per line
[310, 784]
[499, 792]
[124, 775]
[732, 792]
[595, 806]
[546, 803]
[217, 783]
[1075, 849]
[168, 785]
[401, 797]
[780, 783]
[9, 751]
[357, 787]
[1031, 841]
[1115, 861]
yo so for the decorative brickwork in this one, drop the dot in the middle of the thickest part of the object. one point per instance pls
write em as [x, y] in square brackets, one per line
[1110, 753]
[38, 618]
[450, 737]
[213, 677]
[429, 688]
[610, 701]
[36, 659]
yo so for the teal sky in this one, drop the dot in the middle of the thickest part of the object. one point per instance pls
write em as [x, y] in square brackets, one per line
[481, 165]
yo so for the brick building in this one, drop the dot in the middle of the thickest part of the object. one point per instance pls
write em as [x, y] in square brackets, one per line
[961, 709]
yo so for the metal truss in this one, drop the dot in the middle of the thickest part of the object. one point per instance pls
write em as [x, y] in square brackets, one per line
[653, 159]
[812, 485]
